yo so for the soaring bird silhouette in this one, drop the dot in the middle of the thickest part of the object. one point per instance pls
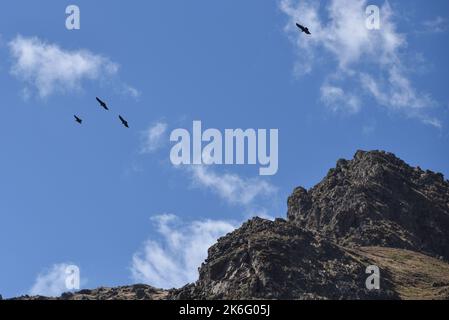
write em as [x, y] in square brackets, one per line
[77, 119]
[124, 122]
[303, 29]
[102, 103]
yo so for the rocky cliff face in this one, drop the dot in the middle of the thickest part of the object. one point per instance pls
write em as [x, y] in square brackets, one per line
[371, 210]
[279, 260]
[377, 199]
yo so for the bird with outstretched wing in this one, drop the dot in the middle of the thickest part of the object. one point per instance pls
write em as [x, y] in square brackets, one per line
[78, 119]
[124, 122]
[303, 29]
[102, 103]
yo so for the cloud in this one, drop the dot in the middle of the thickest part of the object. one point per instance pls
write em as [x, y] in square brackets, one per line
[231, 187]
[336, 98]
[396, 92]
[436, 25]
[174, 260]
[344, 35]
[368, 61]
[51, 283]
[152, 137]
[131, 91]
[49, 69]
[434, 122]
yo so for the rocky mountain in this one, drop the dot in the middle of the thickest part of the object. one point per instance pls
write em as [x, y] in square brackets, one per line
[371, 210]
[376, 199]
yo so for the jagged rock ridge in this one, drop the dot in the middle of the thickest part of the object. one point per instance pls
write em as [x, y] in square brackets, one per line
[135, 292]
[376, 199]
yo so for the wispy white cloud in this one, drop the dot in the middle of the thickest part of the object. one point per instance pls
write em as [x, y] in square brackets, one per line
[436, 25]
[152, 138]
[231, 187]
[49, 69]
[339, 100]
[368, 60]
[173, 261]
[396, 92]
[52, 282]
[434, 122]
[343, 33]
[131, 91]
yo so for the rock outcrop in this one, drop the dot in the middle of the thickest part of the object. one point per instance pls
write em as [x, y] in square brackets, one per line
[376, 199]
[278, 260]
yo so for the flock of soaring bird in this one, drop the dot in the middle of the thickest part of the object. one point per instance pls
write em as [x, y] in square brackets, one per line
[125, 123]
[105, 106]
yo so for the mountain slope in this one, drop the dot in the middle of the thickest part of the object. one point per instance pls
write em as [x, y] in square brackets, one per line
[414, 275]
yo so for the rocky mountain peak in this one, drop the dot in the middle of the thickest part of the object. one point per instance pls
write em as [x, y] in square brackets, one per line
[377, 199]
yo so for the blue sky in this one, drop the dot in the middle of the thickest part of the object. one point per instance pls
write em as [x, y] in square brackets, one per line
[108, 199]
